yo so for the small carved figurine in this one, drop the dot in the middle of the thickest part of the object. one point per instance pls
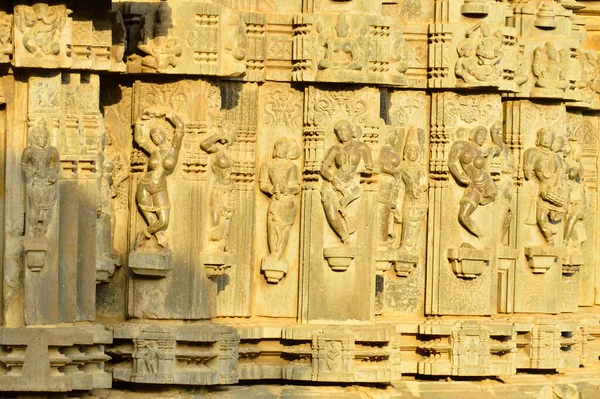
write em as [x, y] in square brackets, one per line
[157, 42]
[341, 51]
[40, 164]
[115, 170]
[6, 41]
[467, 161]
[236, 43]
[340, 172]
[416, 185]
[280, 179]
[548, 67]
[505, 185]
[479, 58]
[389, 188]
[543, 163]
[152, 194]
[222, 200]
[42, 25]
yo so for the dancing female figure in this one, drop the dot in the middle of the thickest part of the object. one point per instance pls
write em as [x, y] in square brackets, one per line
[152, 194]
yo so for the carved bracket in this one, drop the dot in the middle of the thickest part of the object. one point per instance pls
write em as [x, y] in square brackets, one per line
[542, 259]
[35, 252]
[339, 258]
[468, 262]
[572, 263]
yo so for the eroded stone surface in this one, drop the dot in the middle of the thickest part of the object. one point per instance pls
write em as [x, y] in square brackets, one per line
[364, 196]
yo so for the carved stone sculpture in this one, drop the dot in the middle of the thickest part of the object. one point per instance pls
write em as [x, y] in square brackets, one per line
[467, 161]
[479, 58]
[415, 204]
[6, 37]
[280, 179]
[40, 164]
[341, 49]
[416, 184]
[341, 172]
[389, 189]
[546, 166]
[119, 38]
[505, 186]
[41, 26]
[115, 170]
[161, 48]
[152, 194]
[221, 203]
[549, 67]
[235, 46]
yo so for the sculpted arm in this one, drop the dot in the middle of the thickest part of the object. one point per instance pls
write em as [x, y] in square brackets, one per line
[26, 164]
[264, 181]
[294, 182]
[328, 163]
[54, 167]
[528, 161]
[454, 166]
[365, 152]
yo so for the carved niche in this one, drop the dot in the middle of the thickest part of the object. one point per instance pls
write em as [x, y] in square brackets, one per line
[42, 36]
[6, 37]
[341, 171]
[159, 133]
[40, 164]
[280, 180]
[349, 48]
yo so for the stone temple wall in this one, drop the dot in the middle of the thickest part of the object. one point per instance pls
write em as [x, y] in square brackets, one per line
[300, 198]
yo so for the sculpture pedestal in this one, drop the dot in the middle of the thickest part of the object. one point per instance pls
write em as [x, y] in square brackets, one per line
[274, 269]
[150, 264]
[468, 262]
[406, 263]
[339, 258]
[540, 259]
[216, 263]
[35, 252]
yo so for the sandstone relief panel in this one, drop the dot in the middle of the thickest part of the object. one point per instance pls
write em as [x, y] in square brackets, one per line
[340, 194]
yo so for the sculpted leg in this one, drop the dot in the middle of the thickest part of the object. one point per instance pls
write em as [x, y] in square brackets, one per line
[464, 217]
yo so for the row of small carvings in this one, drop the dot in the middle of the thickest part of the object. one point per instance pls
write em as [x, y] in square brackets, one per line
[376, 353]
[363, 49]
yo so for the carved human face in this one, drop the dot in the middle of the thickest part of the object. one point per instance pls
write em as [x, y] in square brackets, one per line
[546, 138]
[282, 148]
[158, 136]
[479, 136]
[411, 152]
[41, 137]
[342, 29]
[343, 131]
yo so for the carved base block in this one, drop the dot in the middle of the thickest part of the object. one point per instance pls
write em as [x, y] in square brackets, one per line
[385, 260]
[339, 258]
[150, 265]
[468, 262]
[274, 269]
[475, 8]
[541, 259]
[198, 354]
[406, 263]
[59, 359]
[572, 263]
[105, 268]
[35, 252]
[216, 263]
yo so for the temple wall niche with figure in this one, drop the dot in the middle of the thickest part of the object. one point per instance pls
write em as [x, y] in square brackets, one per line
[327, 193]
